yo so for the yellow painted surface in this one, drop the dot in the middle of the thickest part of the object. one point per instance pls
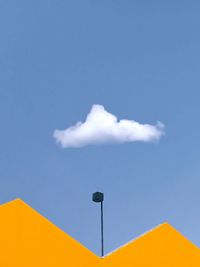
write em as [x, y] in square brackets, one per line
[27, 239]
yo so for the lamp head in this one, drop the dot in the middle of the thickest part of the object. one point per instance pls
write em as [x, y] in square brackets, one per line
[98, 197]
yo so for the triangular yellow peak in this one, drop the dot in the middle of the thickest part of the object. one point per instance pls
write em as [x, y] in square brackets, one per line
[161, 247]
[29, 240]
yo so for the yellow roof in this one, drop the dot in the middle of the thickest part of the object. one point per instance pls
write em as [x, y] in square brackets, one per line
[27, 239]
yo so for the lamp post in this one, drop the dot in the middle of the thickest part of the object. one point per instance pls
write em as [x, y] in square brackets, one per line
[98, 197]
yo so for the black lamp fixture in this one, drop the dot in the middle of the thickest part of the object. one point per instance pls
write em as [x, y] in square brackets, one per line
[98, 197]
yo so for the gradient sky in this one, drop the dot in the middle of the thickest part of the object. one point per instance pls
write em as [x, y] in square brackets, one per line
[141, 60]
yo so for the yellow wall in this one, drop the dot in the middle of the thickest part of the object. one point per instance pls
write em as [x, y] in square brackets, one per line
[29, 240]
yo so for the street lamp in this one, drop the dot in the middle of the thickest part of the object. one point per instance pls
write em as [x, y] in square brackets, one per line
[98, 197]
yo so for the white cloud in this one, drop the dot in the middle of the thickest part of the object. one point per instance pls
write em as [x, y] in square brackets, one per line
[102, 127]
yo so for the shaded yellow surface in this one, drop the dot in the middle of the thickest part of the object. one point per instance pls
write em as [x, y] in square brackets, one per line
[27, 239]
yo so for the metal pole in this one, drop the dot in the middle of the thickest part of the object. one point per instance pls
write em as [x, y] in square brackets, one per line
[102, 235]
[98, 197]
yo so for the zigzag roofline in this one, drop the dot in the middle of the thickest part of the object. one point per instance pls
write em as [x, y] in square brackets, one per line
[164, 224]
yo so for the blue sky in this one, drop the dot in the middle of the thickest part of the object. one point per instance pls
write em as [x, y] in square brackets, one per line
[140, 60]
